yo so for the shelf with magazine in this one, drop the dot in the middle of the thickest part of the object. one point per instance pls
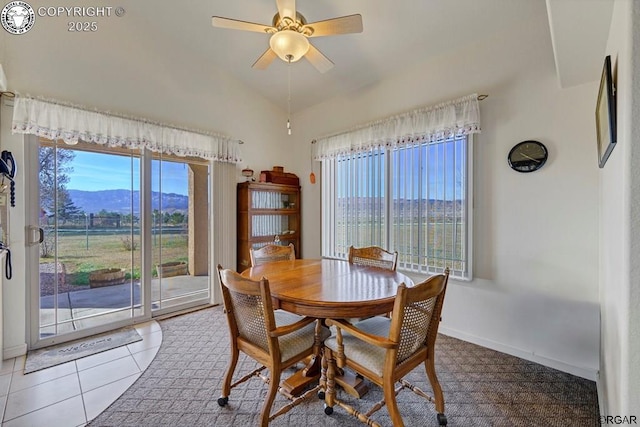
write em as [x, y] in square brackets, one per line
[267, 213]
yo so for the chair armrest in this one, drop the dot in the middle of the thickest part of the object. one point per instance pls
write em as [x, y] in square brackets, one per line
[369, 338]
[287, 329]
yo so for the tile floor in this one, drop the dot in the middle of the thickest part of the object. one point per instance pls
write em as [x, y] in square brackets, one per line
[74, 393]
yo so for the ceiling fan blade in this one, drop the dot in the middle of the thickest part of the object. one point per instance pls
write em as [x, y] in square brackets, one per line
[234, 24]
[287, 8]
[265, 60]
[318, 60]
[343, 25]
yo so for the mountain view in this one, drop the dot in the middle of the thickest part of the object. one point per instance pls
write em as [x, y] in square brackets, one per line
[120, 201]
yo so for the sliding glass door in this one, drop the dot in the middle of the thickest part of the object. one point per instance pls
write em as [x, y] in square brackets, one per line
[120, 235]
[180, 232]
[89, 256]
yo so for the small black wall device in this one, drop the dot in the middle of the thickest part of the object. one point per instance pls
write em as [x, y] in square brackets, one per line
[8, 169]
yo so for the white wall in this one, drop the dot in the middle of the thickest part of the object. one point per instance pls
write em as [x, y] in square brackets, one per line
[535, 292]
[152, 83]
[14, 292]
[619, 277]
[633, 403]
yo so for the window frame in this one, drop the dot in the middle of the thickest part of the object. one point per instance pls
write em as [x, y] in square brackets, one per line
[328, 224]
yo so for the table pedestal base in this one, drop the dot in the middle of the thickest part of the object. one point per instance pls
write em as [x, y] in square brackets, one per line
[298, 382]
[352, 384]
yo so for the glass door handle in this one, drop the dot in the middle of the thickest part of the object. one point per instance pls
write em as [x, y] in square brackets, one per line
[32, 231]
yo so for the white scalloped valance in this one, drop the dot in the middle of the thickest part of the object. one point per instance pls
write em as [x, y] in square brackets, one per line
[458, 117]
[54, 120]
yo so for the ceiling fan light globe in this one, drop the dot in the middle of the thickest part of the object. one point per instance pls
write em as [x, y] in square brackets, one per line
[289, 45]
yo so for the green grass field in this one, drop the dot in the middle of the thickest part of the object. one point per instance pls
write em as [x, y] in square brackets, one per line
[110, 251]
[437, 244]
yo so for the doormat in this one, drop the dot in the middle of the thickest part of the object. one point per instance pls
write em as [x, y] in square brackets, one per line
[66, 352]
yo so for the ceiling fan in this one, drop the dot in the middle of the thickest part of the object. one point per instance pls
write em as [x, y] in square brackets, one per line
[290, 32]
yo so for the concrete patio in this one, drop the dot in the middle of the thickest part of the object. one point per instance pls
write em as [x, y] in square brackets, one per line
[79, 309]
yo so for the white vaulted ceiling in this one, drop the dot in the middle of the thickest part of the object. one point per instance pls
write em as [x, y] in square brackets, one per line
[175, 45]
[579, 32]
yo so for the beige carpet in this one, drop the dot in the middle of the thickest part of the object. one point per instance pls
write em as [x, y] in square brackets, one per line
[481, 388]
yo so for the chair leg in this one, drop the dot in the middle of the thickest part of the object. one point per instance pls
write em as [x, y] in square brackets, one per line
[323, 376]
[226, 384]
[330, 382]
[435, 384]
[274, 384]
[390, 400]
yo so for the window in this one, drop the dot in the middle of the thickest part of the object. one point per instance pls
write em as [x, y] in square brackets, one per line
[414, 199]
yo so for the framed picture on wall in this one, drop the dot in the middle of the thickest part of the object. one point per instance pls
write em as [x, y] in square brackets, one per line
[606, 114]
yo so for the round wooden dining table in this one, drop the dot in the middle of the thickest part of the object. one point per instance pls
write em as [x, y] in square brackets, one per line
[328, 288]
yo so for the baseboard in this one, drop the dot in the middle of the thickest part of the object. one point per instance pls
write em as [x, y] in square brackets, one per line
[579, 371]
[15, 351]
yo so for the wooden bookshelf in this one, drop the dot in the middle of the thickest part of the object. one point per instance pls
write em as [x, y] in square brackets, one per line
[267, 213]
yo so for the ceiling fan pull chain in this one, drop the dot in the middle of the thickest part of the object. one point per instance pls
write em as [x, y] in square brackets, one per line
[289, 96]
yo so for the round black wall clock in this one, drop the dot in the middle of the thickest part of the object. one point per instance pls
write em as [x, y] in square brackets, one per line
[527, 156]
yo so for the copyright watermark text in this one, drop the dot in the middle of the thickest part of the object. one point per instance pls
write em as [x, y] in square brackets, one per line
[618, 420]
[18, 17]
[80, 11]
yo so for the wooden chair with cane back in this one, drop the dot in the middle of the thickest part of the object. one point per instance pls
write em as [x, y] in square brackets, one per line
[271, 253]
[384, 349]
[373, 256]
[275, 339]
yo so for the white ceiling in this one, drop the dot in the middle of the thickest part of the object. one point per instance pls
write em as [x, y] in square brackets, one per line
[397, 34]
[579, 33]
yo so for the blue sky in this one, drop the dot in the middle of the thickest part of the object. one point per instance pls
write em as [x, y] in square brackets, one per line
[431, 171]
[97, 171]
